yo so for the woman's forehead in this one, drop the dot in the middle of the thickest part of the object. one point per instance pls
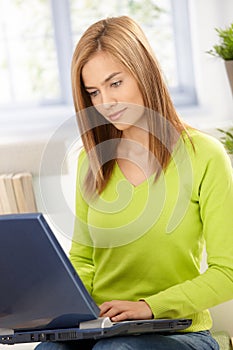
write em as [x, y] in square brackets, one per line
[101, 66]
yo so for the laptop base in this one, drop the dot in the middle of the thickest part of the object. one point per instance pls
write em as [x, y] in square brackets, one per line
[118, 329]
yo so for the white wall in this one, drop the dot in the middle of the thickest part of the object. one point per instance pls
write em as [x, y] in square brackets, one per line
[213, 89]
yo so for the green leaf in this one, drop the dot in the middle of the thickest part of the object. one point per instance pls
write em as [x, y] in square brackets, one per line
[225, 47]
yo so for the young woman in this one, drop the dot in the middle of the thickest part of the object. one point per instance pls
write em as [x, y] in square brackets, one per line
[151, 192]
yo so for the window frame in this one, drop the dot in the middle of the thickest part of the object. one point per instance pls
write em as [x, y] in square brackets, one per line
[60, 11]
[185, 94]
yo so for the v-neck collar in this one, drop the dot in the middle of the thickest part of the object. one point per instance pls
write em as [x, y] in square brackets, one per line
[145, 182]
[149, 179]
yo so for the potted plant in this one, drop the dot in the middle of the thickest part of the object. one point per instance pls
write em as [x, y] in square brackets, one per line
[224, 50]
[227, 141]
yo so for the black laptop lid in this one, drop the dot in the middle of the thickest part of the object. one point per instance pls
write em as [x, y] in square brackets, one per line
[36, 290]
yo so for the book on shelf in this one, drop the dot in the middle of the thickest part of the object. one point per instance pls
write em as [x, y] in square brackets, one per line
[24, 193]
[17, 194]
[11, 193]
[5, 205]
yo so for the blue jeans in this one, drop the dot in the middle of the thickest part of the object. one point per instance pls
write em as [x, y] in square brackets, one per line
[176, 341]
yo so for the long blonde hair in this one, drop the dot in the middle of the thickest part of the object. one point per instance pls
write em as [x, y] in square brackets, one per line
[125, 41]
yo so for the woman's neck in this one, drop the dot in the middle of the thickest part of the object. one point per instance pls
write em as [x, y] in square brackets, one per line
[138, 134]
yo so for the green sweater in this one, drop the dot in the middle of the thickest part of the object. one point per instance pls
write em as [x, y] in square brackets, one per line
[146, 242]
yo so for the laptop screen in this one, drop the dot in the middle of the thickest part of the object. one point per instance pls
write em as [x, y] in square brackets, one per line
[39, 286]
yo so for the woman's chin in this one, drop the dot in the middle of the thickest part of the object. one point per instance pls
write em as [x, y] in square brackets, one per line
[122, 126]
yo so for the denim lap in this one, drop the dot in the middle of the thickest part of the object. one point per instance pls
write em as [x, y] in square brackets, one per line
[145, 342]
[189, 341]
[197, 340]
[69, 345]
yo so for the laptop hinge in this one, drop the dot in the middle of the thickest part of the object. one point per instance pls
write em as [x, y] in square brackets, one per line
[6, 331]
[101, 322]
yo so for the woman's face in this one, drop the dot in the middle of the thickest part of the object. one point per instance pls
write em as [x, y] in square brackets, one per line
[114, 92]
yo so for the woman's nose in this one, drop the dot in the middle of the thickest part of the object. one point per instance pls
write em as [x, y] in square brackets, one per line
[108, 100]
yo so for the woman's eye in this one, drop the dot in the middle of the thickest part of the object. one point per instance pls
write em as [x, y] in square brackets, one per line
[93, 93]
[116, 83]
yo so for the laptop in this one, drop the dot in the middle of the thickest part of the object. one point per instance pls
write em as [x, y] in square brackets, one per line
[42, 297]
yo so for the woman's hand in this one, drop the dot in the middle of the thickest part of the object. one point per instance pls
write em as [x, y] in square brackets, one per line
[120, 310]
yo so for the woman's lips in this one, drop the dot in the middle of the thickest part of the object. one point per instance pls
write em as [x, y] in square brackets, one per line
[117, 115]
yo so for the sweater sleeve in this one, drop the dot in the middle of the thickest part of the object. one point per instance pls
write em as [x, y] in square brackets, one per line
[215, 285]
[81, 249]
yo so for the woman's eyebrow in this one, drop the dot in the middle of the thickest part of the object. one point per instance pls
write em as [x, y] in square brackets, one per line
[112, 75]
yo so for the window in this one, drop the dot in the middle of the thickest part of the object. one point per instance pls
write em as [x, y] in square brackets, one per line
[37, 39]
[28, 63]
